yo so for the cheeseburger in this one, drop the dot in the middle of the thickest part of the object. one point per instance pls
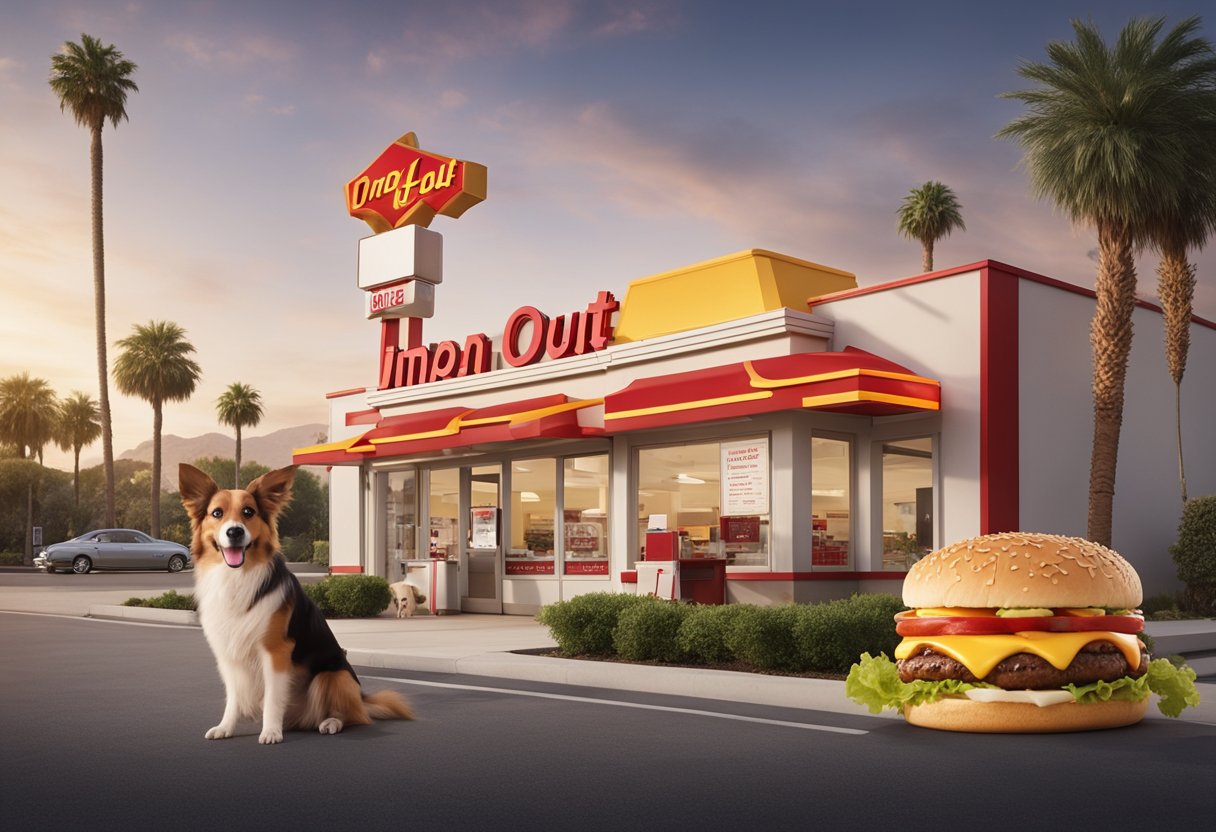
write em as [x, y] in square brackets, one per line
[1021, 632]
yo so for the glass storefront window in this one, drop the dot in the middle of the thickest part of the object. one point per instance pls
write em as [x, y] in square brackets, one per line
[443, 507]
[831, 494]
[907, 502]
[684, 483]
[585, 515]
[533, 517]
[400, 521]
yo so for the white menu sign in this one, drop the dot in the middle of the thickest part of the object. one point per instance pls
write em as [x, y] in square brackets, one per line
[745, 476]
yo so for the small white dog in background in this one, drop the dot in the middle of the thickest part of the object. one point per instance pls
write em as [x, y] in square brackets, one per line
[406, 597]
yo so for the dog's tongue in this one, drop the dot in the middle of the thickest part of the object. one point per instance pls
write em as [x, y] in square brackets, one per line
[234, 556]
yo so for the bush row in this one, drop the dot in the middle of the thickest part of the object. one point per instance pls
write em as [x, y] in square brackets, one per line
[794, 638]
[170, 600]
[350, 596]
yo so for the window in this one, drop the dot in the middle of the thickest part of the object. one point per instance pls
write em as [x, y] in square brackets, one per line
[831, 495]
[533, 513]
[400, 520]
[585, 515]
[443, 507]
[907, 502]
[715, 494]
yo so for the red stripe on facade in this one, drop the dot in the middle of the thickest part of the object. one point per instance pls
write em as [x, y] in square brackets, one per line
[999, 456]
[346, 570]
[630, 576]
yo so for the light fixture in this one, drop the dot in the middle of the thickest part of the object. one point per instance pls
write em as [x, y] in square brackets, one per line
[529, 497]
[685, 479]
[594, 512]
[827, 492]
[519, 469]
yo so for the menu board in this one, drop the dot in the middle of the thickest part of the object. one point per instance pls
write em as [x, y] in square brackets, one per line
[745, 476]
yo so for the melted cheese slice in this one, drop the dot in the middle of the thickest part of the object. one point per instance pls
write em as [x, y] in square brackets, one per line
[980, 654]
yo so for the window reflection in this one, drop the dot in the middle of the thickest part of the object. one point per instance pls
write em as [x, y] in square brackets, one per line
[907, 502]
[831, 493]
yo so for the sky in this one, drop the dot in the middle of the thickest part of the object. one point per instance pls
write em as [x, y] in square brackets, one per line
[622, 139]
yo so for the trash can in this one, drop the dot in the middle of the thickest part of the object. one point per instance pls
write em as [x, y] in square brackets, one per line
[438, 580]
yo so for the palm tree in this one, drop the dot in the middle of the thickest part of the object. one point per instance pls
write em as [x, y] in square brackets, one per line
[155, 365]
[1187, 225]
[1106, 139]
[93, 81]
[28, 413]
[77, 427]
[240, 405]
[927, 214]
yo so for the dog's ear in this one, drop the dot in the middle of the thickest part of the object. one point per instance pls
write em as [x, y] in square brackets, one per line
[272, 491]
[196, 489]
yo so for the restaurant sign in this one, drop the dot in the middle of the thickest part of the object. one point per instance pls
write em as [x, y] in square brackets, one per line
[408, 186]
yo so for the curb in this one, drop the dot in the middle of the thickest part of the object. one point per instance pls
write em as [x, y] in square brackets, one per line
[150, 615]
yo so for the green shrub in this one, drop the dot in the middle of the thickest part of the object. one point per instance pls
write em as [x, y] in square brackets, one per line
[1163, 604]
[829, 637]
[1195, 554]
[319, 593]
[649, 631]
[170, 600]
[585, 624]
[763, 636]
[12, 558]
[320, 552]
[355, 596]
[703, 633]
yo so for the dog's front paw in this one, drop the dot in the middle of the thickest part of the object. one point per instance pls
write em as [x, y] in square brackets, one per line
[330, 726]
[270, 736]
[219, 732]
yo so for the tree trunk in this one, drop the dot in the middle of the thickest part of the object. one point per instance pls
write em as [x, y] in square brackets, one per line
[28, 558]
[237, 475]
[1111, 339]
[76, 479]
[157, 418]
[99, 313]
[926, 257]
[1176, 288]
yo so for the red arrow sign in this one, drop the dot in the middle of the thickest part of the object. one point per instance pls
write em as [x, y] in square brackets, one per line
[407, 186]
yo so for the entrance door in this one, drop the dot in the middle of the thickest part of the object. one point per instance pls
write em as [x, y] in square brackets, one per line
[483, 545]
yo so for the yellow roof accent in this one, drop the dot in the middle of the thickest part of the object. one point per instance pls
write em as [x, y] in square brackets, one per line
[724, 289]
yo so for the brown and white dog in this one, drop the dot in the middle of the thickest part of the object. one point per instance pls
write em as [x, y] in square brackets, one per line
[272, 646]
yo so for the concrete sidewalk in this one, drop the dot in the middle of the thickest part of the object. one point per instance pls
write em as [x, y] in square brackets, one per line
[488, 645]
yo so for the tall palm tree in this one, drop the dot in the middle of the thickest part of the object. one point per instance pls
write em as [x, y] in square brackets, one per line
[239, 406]
[28, 414]
[78, 425]
[93, 81]
[155, 365]
[927, 214]
[1187, 225]
[1105, 139]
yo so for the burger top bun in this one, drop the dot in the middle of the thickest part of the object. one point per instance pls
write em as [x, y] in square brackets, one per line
[1023, 569]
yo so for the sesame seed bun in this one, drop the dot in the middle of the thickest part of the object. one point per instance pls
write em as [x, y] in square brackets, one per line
[957, 714]
[1023, 569]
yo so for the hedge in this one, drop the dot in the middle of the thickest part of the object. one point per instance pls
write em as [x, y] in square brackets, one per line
[350, 596]
[791, 638]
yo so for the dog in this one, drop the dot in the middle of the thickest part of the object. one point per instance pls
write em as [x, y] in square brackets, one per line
[406, 598]
[272, 646]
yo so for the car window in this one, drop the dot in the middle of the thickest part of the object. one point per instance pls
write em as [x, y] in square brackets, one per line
[102, 538]
[140, 537]
[125, 537]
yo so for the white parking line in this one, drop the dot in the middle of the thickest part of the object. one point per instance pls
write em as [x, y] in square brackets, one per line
[592, 701]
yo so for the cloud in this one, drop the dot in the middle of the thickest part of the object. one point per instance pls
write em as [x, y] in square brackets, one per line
[633, 19]
[236, 53]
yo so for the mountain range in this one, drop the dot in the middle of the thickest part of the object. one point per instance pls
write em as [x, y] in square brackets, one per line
[273, 449]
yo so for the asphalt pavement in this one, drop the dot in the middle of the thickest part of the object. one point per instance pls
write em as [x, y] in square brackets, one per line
[503, 646]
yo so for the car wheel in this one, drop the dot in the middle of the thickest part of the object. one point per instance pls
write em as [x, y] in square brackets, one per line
[177, 563]
[50, 570]
[82, 565]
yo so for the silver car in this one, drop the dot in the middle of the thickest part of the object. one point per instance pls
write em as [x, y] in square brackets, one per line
[113, 549]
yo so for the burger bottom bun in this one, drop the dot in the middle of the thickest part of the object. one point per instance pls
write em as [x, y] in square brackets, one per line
[957, 714]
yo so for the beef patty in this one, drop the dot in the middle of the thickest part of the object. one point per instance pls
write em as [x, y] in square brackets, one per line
[1098, 661]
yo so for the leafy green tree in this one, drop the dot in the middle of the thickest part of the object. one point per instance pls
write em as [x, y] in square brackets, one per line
[156, 366]
[220, 469]
[927, 214]
[1106, 137]
[93, 81]
[28, 415]
[239, 406]
[79, 425]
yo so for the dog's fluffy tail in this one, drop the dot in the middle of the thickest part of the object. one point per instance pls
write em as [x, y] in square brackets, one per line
[387, 704]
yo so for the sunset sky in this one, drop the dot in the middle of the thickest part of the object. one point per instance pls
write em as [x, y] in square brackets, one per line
[622, 139]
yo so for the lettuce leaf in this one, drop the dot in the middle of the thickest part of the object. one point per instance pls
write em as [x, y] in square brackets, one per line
[874, 682]
[1175, 685]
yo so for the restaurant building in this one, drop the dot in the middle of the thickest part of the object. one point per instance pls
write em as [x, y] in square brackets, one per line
[804, 436]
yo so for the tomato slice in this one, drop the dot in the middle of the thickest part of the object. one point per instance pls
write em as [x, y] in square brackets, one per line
[909, 624]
